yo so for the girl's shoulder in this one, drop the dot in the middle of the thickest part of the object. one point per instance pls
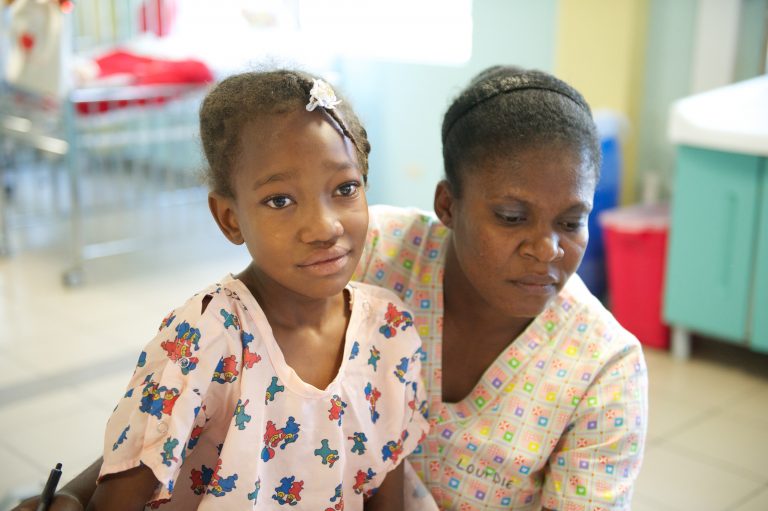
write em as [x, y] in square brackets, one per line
[218, 309]
[384, 316]
[375, 298]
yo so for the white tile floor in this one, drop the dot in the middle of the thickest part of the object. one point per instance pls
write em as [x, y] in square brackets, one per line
[65, 355]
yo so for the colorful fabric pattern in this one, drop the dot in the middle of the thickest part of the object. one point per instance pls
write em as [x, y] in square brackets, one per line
[224, 423]
[558, 420]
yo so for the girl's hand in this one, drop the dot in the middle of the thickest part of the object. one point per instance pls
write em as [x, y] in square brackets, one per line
[62, 501]
[127, 490]
[389, 497]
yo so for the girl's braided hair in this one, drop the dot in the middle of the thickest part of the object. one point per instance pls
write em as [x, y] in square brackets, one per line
[506, 109]
[243, 98]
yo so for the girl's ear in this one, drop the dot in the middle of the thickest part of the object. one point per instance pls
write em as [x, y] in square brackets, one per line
[444, 201]
[223, 211]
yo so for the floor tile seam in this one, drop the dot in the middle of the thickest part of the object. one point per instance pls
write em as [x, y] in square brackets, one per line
[719, 402]
[748, 497]
[658, 504]
[714, 412]
[693, 421]
[714, 462]
[21, 454]
[73, 376]
[749, 393]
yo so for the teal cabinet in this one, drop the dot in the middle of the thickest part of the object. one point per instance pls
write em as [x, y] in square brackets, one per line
[713, 242]
[717, 264]
[759, 310]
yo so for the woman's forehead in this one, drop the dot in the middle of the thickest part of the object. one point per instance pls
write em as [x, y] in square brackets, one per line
[541, 176]
[536, 163]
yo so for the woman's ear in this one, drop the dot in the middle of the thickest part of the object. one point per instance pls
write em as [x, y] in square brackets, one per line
[223, 211]
[444, 201]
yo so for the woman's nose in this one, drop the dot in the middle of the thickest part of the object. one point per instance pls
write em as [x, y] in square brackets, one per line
[544, 247]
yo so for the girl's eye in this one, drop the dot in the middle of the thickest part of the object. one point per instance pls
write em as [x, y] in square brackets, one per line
[348, 189]
[278, 202]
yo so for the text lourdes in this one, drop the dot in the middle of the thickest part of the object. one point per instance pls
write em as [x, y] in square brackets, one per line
[484, 472]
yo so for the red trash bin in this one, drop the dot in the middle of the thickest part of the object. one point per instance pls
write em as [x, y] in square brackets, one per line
[635, 253]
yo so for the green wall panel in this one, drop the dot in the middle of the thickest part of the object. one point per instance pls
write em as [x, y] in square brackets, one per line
[668, 62]
[402, 104]
[712, 245]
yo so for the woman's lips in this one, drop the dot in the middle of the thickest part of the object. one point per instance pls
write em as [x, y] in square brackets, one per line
[536, 284]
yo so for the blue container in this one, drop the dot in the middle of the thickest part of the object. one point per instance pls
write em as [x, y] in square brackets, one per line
[592, 269]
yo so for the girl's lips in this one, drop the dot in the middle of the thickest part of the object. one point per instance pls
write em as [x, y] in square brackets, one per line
[326, 266]
[323, 256]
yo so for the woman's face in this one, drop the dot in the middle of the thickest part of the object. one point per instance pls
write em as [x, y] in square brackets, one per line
[519, 229]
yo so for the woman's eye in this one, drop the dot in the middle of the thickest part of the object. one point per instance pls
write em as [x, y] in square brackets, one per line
[348, 189]
[573, 226]
[279, 202]
[510, 218]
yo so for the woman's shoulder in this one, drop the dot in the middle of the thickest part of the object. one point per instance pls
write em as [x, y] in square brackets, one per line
[589, 316]
[397, 221]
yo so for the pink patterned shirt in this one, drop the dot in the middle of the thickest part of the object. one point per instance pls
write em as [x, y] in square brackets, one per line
[558, 420]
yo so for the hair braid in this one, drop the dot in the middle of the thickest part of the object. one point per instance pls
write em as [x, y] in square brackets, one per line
[243, 98]
[363, 148]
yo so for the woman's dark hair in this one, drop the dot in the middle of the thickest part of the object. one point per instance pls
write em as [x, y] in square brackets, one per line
[243, 98]
[506, 109]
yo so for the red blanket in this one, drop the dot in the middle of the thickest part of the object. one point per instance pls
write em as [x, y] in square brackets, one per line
[145, 71]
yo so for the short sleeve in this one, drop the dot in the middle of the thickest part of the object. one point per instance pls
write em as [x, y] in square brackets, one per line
[598, 457]
[414, 403]
[152, 423]
[416, 414]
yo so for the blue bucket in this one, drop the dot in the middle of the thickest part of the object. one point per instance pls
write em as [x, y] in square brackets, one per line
[592, 269]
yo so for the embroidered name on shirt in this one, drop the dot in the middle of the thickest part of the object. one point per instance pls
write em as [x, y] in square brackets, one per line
[484, 473]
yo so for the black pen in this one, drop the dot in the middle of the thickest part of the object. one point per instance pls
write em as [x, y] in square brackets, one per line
[50, 488]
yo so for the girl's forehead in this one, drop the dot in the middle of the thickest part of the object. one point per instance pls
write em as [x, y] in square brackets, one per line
[279, 143]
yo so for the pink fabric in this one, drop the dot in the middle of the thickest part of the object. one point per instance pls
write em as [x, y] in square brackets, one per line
[224, 423]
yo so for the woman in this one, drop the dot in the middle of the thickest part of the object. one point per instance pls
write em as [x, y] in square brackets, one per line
[537, 396]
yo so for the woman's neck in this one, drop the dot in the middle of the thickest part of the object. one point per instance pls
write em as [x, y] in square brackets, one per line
[287, 309]
[467, 311]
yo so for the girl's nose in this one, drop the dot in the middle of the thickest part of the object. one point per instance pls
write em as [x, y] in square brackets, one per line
[321, 225]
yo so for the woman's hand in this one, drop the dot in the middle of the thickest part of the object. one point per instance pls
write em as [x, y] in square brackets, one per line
[62, 501]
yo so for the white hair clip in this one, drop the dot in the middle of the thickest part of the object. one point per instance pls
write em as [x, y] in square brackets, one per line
[322, 95]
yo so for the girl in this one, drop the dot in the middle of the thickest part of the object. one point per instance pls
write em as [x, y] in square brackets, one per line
[282, 385]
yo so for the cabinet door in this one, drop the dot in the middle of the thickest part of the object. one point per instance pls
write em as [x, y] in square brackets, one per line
[759, 310]
[712, 245]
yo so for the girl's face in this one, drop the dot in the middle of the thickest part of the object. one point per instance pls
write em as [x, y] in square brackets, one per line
[519, 230]
[299, 204]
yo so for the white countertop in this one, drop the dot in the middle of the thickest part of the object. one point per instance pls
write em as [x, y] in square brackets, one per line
[732, 118]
